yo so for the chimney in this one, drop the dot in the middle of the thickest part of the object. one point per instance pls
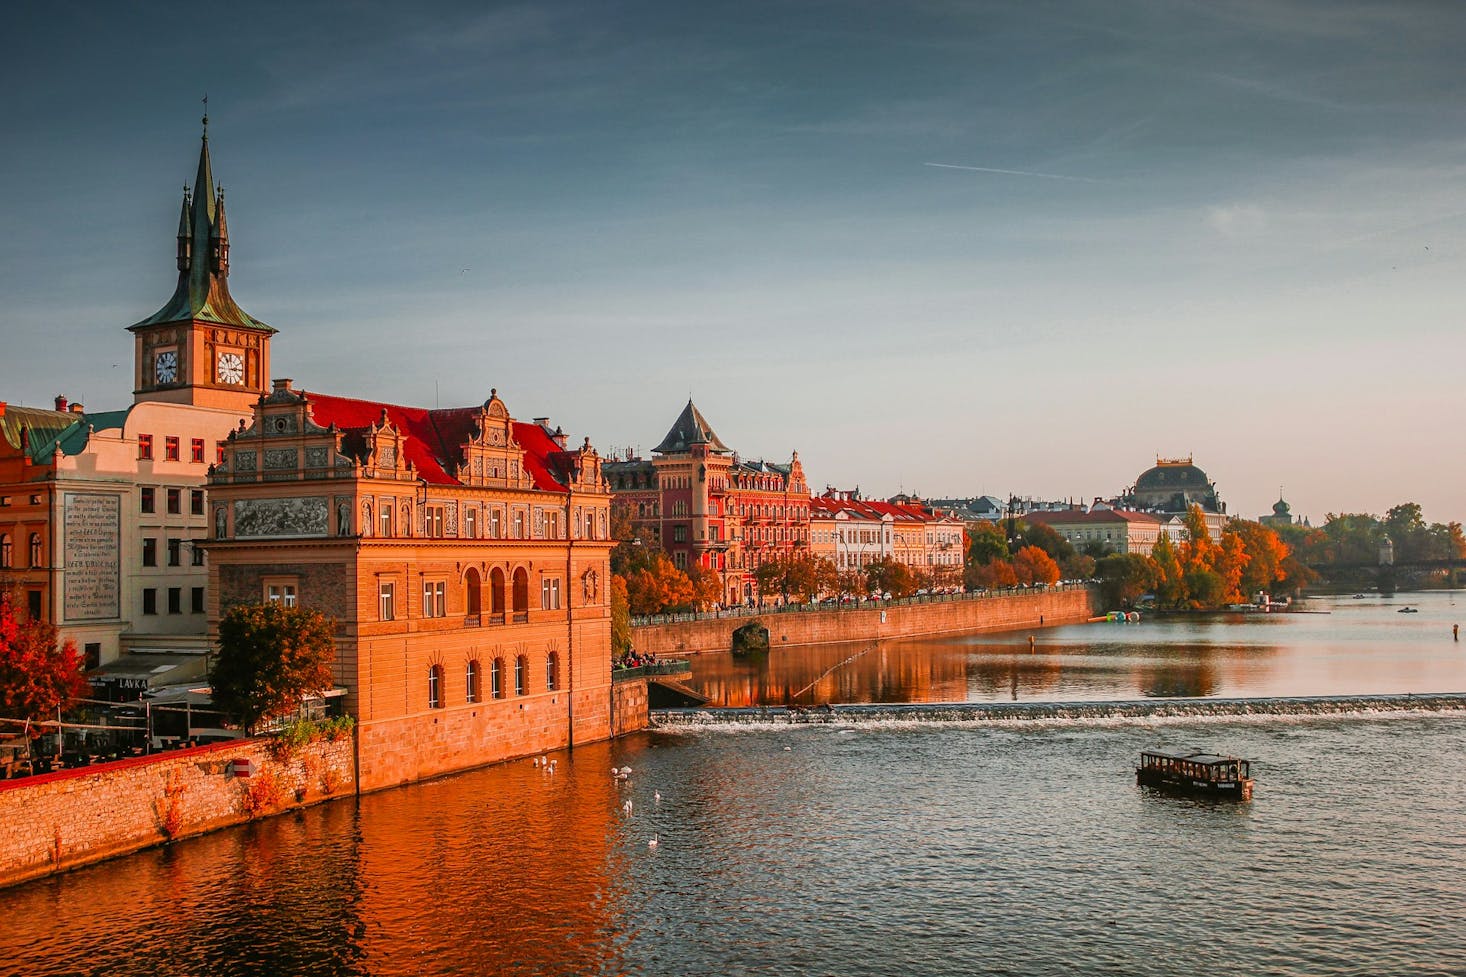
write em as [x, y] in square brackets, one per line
[61, 402]
[282, 384]
[77, 409]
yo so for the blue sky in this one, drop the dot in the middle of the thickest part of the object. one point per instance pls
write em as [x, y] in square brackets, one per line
[1229, 230]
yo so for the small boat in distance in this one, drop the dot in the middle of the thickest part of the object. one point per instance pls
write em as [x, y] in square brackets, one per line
[1407, 610]
[1200, 774]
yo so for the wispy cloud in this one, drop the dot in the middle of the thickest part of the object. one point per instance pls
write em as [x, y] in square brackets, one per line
[1237, 220]
[994, 169]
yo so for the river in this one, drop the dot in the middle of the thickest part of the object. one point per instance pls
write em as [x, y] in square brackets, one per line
[1019, 848]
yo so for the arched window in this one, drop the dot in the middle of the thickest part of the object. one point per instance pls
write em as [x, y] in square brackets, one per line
[521, 595]
[496, 596]
[6, 555]
[471, 685]
[552, 671]
[496, 679]
[435, 687]
[472, 594]
[35, 549]
[521, 674]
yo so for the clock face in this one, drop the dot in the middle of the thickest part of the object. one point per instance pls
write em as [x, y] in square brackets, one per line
[165, 367]
[231, 368]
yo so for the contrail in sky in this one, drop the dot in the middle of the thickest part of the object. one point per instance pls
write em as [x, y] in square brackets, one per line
[990, 169]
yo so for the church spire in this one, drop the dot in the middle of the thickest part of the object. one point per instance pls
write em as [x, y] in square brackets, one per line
[202, 293]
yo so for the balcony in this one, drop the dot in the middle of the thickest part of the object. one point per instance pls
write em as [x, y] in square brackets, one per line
[521, 617]
[472, 620]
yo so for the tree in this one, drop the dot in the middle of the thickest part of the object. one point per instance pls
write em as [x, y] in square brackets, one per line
[1170, 585]
[1047, 538]
[36, 674]
[1032, 565]
[1124, 577]
[706, 585]
[658, 586]
[270, 658]
[620, 618]
[1266, 556]
[992, 576]
[986, 542]
[891, 576]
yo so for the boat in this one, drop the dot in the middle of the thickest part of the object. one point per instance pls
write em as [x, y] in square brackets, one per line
[1407, 610]
[1198, 774]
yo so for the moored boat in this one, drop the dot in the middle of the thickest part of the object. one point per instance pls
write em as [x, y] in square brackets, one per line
[1200, 774]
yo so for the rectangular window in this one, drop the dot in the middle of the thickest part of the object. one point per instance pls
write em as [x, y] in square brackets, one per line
[150, 600]
[518, 524]
[552, 524]
[175, 552]
[196, 600]
[170, 449]
[433, 521]
[434, 599]
[219, 452]
[470, 523]
[386, 519]
[197, 450]
[496, 524]
[196, 502]
[145, 447]
[147, 499]
[175, 600]
[519, 675]
[150, 551]
[550, 593]
[280, 593]
[385, 609]
[175, 501]
[33, 604]
[496, 679]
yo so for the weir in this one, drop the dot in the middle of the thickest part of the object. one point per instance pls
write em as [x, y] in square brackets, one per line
[935, 712]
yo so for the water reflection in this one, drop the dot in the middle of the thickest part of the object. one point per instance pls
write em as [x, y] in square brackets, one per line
[1358, 647]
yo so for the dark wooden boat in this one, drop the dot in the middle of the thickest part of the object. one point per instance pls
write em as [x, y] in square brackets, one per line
[1197, 774]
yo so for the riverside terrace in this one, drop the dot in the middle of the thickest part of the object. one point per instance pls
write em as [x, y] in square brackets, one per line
[854, 604]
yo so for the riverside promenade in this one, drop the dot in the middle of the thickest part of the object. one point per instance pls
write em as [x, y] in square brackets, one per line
[799, 624]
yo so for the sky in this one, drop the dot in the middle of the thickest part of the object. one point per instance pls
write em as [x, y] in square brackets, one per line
[950, 248]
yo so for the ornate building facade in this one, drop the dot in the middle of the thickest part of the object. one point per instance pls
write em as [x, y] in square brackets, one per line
[464, 555]
[709, 508]
[852, 533]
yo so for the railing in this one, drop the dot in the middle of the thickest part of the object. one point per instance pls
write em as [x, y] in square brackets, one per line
[864, 604]
[496, 618]
[660, 668]
[471, 620]
[521, 617]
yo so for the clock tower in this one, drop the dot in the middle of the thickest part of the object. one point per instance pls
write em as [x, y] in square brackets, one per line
[201, 348]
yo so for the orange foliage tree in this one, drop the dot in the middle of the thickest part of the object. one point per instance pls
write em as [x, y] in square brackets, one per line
[1032, 565]
[36, 674]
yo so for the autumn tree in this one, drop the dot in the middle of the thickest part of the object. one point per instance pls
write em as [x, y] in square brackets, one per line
[36, 674]
[994, 575]
[620, 617]
[1267, 555]
[270, 658]
[1031, 565]
[656, 586]
[1047, 538]
[888, 575]
[986, 542]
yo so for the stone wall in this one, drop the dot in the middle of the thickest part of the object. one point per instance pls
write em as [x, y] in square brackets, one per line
[630, 706]
[58, 821]
[828, 625]
[440, 741]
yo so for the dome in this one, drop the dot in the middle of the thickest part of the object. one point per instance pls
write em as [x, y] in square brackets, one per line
[1172, 476]
[1281, 508]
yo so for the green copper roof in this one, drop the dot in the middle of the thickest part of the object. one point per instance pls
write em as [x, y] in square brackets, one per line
[203, 280]
[45, 430]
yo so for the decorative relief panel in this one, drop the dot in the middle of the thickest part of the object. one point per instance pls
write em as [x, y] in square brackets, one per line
[317, 457]
[450, 518]
[277, 459]
[91, 536]
[387, 456]
[282, 424]
[245, 461]
[255, 518]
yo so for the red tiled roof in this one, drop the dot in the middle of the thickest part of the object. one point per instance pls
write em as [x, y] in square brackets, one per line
[434, 438]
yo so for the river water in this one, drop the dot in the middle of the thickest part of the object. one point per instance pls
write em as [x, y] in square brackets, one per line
[871, 849]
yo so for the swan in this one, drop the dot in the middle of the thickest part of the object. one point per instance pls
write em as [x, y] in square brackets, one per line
[654, 841]
[657, 796]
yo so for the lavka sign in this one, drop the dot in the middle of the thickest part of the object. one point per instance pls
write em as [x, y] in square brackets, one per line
[91, 537]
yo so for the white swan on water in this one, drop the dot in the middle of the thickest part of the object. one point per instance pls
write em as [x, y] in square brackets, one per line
[654, 841]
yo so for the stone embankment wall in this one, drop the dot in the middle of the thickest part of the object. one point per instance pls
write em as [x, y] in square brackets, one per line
[57, 821]
[630, 709]
[897, 620]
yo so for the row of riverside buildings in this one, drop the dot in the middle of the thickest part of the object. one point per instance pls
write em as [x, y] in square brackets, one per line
[708, 507]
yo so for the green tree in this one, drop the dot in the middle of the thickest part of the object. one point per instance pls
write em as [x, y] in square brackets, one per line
[1125, 577]
[270, 658]
[1046, 538]
[986, 542]
[37, 675]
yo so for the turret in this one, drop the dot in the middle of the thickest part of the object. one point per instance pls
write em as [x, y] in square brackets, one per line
[185, 235]
[219, 239]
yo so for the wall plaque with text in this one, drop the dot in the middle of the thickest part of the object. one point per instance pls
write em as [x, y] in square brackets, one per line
[91, 541]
